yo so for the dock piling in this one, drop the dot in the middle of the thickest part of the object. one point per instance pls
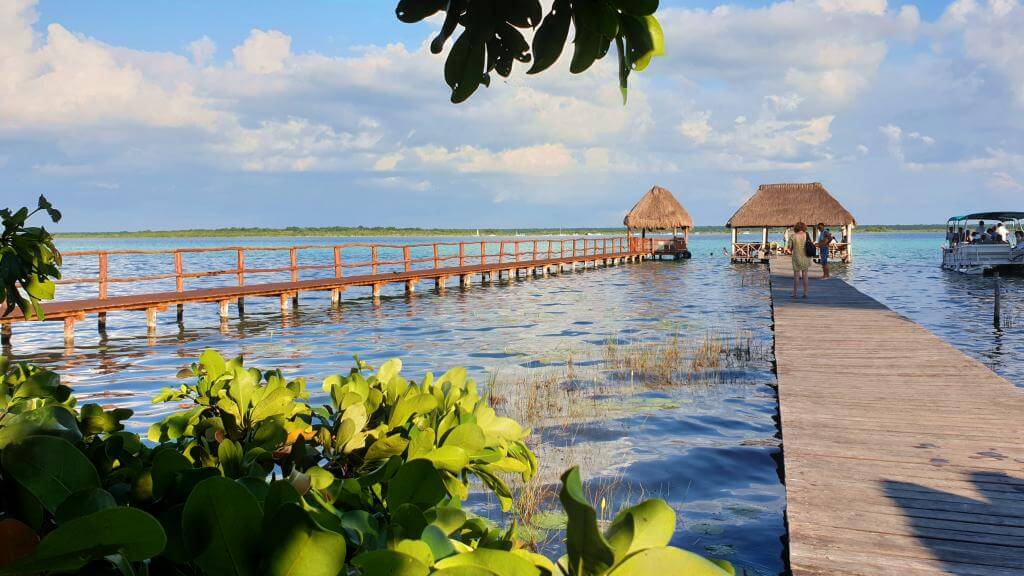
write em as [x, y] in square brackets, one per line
[5, 334]
[996, 311]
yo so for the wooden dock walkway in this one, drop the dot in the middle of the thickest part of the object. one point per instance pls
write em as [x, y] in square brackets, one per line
[444, 260]
[902, 454]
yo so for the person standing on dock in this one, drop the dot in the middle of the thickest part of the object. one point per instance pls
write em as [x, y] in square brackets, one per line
[797, 246]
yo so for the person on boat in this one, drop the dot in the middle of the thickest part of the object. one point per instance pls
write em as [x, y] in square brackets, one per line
[1002, 233]
[951, 236]
[1018, 238]
[801, 262]
[980, 229]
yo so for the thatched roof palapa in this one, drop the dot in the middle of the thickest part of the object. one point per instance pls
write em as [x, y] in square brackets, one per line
[658, 210]
[778, 205]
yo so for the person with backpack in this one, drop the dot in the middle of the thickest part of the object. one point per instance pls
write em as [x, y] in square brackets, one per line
[801, 247]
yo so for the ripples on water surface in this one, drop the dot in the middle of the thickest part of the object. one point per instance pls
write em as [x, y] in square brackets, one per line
[567, 355]
[581, 357]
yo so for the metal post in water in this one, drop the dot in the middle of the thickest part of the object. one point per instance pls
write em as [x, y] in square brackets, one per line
[996, 311]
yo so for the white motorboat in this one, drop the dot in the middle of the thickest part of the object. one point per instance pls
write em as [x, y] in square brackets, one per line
[971, 249]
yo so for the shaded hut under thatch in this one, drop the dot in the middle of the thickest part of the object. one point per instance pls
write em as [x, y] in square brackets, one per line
[659, 210]
[783, 205]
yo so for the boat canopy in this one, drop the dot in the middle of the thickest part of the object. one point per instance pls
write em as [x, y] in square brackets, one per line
[998, 216]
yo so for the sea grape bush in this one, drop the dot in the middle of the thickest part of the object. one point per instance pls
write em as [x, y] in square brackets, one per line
[247, 478]
[29, 261]
[491, 40]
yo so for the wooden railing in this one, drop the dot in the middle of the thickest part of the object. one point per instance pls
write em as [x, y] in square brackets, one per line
[838, 252]
[363, 258]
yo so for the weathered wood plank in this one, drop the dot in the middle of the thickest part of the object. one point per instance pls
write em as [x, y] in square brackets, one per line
[902, 454]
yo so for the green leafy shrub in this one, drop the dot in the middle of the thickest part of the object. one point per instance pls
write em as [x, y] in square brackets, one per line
[29, 261]
[247, 479]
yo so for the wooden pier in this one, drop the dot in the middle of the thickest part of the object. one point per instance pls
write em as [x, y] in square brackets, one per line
[351, 265]
[902, 454]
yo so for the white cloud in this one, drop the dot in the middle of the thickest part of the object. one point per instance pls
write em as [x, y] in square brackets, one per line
[295, 145]
[70, 80]
[769, 142]
[876, 7]
[897, 138]
[1004, 181]
[697, 126]
[388, 162]
[202, 51]
[826, 51]
[264, 52]
[991, 36]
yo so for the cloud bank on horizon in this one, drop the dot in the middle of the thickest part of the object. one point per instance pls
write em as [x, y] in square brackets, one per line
[905, 117]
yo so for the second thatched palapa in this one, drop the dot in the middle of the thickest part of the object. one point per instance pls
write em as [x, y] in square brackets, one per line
[659, 210]
[782, 206]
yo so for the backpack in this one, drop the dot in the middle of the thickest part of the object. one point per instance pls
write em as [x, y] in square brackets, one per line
[809, 249]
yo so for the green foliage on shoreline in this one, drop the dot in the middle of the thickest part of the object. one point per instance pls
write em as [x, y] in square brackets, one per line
[29, 261]
[413, 232]
[247, 478]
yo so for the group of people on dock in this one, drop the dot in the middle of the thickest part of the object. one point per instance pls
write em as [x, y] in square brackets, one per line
[997, 234]
[804, 247]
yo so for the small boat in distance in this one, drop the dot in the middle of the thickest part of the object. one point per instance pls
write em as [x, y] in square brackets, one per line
[971, 249]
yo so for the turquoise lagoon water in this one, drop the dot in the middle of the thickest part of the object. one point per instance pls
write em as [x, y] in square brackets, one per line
[551, 350]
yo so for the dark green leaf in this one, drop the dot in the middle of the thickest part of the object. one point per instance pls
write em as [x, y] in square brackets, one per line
[221, 524]
[130, 532]
[83, 503]
[295, 545]
[389, 563]
[410, 11]
[551, 36]
[416, 482]
[50, 468]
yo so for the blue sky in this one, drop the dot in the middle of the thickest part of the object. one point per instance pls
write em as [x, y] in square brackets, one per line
[162, 114]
